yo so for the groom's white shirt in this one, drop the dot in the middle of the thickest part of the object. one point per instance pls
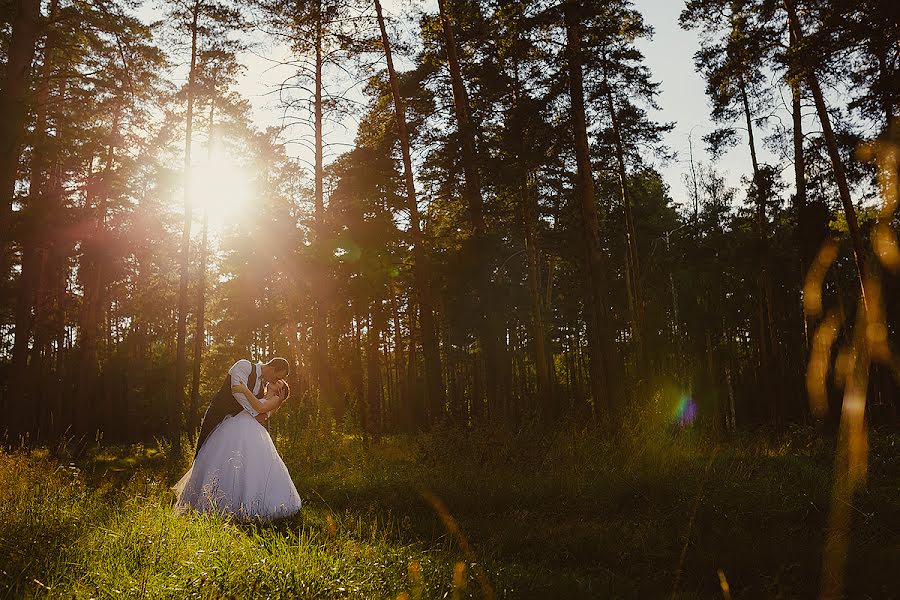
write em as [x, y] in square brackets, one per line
[240, 373]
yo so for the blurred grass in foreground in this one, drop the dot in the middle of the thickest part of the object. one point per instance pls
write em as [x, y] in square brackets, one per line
[568, 513]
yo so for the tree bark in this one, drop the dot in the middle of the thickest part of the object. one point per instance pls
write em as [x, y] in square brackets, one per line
[14, 108]
[834, 154]
[91, 317]
[373, 369]
[414, 410]
[184, 262]
[399, 359]
[634, 270]
[320, 315]
[602, 358]
[542, 357]
[488, 319]
[528, 200]
[800, 185]
[767, 342]
[193, 418]
[434, 383]
[35, 240]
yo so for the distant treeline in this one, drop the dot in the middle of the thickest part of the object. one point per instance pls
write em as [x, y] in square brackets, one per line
[497, 245]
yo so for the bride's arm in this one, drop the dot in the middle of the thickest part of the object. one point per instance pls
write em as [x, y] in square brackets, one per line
[260, 406]
[262, 417]
[255, 402]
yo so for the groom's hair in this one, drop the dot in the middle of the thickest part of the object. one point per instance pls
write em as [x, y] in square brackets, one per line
[279, 364]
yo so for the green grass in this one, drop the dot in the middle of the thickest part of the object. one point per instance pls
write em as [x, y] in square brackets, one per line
[562, 514]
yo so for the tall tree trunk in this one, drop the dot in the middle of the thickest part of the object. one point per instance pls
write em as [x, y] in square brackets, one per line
[766, 346]
[35, 240]
[373, 369]
[14, 108]
[320, 324]
[94, 258]
[434, 383]
[399, 359]
[799, 181]
[488, 318]
[634, 270]
[542, 357]
[184, 259]
[472, 179]
[193, 418]
[358, 376]
[803, 223]
[886, 49]
[603, 361]
[45, 190]
[834, 154]
[528, 200]
[414, 411]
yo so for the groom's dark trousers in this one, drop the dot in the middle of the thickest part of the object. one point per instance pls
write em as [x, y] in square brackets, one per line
[222, 405]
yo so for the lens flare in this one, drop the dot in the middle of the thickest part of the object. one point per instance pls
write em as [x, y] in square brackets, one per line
[685, 411]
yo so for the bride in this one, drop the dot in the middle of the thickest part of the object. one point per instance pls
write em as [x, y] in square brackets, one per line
[237, 470]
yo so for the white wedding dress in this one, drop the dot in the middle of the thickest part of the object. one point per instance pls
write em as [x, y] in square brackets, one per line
[238, 472]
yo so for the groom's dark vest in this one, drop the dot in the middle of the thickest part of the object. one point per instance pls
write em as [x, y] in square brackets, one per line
[222, 405]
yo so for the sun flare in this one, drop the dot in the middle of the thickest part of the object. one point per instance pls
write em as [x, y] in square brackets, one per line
[223, 187]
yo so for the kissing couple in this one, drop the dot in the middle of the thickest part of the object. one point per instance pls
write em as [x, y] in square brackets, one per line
[237, 471]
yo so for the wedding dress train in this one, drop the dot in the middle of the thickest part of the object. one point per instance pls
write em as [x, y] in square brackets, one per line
[238, 472]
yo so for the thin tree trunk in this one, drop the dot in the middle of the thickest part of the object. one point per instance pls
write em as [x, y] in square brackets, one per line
[373, 369]
[320, 324]
[488, 319]
[834, 154]
[799, 183]
[184, 261]
[472, 179]
[434, 384]
[528, 201]
[40, 237]
[94, 258]
[542, 358]
[602, 359]
[414, 410]
[694, 179]
[14, 110]
[399, 359]
[200, 322]
[634, 270]
[768, 342]
[13, 107]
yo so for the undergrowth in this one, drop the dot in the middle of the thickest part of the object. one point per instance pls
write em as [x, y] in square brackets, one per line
[457, 514]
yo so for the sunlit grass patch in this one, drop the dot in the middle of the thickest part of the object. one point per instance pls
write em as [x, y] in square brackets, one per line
[569, 513]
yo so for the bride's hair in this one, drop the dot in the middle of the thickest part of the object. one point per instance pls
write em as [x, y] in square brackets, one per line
[286, 390]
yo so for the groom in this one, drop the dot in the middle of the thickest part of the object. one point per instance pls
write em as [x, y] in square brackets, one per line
[226, 402]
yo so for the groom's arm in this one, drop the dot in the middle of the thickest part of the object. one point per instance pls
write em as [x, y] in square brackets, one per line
[240, 374]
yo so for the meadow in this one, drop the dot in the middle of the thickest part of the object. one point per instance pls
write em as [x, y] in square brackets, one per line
[569, 513]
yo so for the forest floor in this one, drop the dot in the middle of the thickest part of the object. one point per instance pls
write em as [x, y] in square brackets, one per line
[459, 514]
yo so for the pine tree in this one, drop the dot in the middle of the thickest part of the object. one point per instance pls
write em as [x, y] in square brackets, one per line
[13, 106]
[434, 399]
[205, 22]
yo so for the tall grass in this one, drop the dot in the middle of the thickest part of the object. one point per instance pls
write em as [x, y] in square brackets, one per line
[536, 514]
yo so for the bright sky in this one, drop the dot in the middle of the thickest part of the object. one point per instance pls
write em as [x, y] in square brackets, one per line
[670, 57]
